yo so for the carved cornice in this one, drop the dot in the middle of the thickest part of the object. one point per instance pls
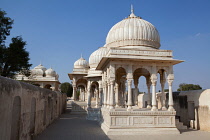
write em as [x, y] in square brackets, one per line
[142, 113]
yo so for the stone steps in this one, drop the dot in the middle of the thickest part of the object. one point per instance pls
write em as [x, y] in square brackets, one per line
[78, 108]
[180, 125]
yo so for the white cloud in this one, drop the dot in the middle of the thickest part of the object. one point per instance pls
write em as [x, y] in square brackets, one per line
[198, 34]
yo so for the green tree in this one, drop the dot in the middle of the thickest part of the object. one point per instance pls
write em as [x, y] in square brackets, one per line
[187, 87]
[66, 87]
[166, 90]
[5, 26]
[13, 58]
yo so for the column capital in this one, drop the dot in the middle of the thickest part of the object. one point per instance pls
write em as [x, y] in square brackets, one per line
[129, 81]
[170, 82]
[112, 81]
[153, 79]
[154, 82]
[170, 79]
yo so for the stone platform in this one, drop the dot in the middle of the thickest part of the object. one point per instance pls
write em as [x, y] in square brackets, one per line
[137, 122]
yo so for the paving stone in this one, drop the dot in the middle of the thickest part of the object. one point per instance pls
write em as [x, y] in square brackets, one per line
[76, 127]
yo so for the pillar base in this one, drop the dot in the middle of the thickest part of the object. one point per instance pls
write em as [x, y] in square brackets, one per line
[171, 108]
[164, 108]
[149, 106]
[154, 108]
[129, 108]
[111, 107]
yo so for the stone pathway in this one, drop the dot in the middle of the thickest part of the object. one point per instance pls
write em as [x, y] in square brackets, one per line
[76, 127]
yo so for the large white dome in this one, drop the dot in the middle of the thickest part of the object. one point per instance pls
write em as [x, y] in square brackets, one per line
[81, 63]
[133, 31]
[96, 56]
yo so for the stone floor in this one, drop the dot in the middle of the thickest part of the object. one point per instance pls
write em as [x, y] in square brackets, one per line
[76, 127]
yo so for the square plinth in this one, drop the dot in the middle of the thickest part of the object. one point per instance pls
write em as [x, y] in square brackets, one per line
[138, 122]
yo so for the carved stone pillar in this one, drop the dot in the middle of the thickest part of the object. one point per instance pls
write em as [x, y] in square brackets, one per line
[74, 92]
[74, 88]
[111, 94]
[96, 93]
[105, 93]
[117, 94]
[101, 94]
[84, 94]
[108, 94]
[170, 80]
[154, 100]
[149, 94]
[163, 96]
[89, 96]
[80, 94]
[129, 81]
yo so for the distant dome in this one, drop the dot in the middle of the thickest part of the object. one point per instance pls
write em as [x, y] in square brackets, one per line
[133, 31]
[81, 63]
[96, 56]
[38, 70]
[50, 73]
[40, 66]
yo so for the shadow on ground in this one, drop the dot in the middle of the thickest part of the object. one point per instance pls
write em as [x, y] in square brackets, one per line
[73, 127]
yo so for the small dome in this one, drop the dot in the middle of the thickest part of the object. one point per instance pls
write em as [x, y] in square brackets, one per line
[81, 63]
[50, 73]
[133, 31]
[96, 56]
[38, 70]
[40, 66]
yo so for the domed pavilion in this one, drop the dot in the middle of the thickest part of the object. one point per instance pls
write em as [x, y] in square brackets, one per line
[42, 77]
[132, 50]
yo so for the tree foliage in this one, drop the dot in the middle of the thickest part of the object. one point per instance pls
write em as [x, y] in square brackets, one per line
[66, 87]
[187, 87]
[5, 26]
[166, 90]
[13, 58]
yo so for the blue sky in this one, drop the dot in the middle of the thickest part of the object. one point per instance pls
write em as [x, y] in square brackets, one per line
[58, 31]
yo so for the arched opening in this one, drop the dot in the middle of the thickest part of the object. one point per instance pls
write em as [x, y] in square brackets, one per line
[33, 115]
[94, 87]
[52, 108]
[81, 90]
[121, 97]
[142, 85]
[48, 86]
[45, 113]
[16, 116]
[162, 89]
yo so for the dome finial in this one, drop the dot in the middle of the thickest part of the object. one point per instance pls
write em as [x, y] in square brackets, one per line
[132, 10]
[132, 15]
[81, 55]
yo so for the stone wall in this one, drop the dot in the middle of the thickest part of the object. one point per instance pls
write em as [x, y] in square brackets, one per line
[193, 108]
[26, 110]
